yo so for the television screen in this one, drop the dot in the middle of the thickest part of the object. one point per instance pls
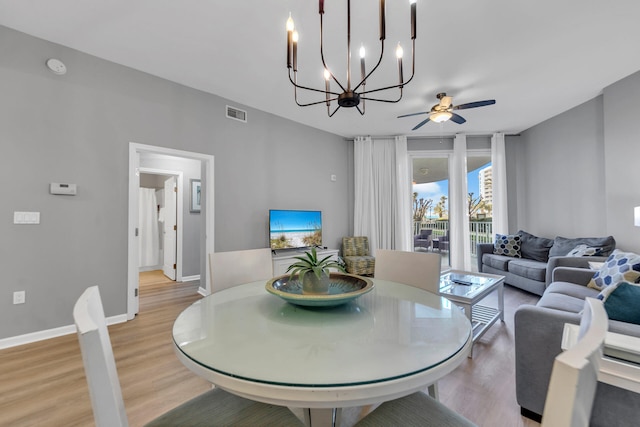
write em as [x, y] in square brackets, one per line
[294, 229]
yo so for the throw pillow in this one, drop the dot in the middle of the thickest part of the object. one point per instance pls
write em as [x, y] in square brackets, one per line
[584, 250]
[622, 302]
[562, 245]
[508, 245]
[593, 265]
[534, 247]
[619, 267]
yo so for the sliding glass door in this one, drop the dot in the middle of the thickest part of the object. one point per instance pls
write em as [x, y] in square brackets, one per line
[431, 213]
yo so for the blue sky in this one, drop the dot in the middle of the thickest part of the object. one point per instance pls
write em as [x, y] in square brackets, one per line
[435, 190]
[294, 220]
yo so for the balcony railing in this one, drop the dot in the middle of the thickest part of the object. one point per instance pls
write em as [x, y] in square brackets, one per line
[479, 231]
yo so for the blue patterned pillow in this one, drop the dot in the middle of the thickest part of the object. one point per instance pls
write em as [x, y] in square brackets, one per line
[508, 245]
[584, 250]
[619, 267]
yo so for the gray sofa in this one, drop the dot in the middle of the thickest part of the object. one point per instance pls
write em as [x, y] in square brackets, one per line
[540, 256]
[538, 335]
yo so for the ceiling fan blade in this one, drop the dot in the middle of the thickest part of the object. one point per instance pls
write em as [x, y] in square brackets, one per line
[419, 125]
[475, 104]
[413, 114]
[446, 101]
[457, 119]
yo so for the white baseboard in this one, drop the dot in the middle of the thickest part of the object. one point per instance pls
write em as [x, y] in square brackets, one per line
[51, 333]
[190, 278]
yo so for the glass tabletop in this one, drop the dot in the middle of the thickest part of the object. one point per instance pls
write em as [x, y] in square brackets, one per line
[392, 332]
[465, 284]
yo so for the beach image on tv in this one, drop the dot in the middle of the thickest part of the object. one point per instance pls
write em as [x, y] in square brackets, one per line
[295, 229]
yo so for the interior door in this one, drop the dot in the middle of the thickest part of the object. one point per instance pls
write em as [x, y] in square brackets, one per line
[170, 228]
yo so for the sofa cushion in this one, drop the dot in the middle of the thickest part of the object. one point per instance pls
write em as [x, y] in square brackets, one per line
[499, 262]
[571, 289]
[534, 247]
[534, 270]
[619, 267]
[508, 245]
[562, 302]
[562, 245]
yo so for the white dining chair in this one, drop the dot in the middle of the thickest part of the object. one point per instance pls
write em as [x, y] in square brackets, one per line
[574, 376]
[228, 269]
[215, 407]
[569, 400]
[418, 269]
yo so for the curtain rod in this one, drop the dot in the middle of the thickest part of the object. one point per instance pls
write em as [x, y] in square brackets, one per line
[431, 136]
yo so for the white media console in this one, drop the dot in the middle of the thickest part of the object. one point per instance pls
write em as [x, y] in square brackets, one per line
[283, 259]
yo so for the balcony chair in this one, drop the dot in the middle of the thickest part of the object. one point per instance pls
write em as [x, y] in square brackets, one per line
[215, 407]
[356, 256]
[423, 239]
[228, 269]
[569, 400]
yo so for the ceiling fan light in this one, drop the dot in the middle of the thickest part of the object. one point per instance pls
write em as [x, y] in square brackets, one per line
[440, 116]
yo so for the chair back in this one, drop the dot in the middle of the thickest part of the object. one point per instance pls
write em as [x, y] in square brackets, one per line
[574, 377]
[228, 269]
[418, 269]
[425, 233]
[98, 360]
[355, 246]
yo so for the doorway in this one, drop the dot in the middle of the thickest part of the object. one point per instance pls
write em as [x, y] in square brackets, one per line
[159, 217]
[137, 154]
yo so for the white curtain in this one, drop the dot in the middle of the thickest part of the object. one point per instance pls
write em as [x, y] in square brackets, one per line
[459, 246]
[499, 172]
[382, 207]
[148, 237]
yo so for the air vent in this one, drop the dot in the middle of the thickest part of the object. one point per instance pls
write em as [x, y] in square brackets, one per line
[236, 114]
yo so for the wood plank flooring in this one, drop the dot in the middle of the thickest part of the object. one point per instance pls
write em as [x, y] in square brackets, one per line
[43, 384]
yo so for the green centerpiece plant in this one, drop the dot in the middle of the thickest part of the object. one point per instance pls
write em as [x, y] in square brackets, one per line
[314, 273]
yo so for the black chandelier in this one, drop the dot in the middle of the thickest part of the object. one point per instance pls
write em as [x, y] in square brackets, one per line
[350, 96]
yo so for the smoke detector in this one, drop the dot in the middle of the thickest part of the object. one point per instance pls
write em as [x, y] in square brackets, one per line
[56, 66]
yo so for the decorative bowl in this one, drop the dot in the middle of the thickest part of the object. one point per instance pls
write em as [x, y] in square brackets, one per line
[342, 289]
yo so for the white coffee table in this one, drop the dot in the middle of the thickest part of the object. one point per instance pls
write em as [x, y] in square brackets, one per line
[467, 289]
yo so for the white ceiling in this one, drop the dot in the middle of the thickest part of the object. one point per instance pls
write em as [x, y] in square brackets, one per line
[535, 58]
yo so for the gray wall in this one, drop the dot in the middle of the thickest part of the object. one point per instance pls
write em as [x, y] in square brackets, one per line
[77, 128]
[620, 160]
[575, 174]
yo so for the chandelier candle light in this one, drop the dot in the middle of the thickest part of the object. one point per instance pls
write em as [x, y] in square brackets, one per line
[349, 96]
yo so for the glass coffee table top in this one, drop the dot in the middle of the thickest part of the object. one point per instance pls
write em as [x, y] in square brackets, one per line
[465, 284]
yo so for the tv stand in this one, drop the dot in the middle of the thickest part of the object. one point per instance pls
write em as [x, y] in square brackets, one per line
[284, 258]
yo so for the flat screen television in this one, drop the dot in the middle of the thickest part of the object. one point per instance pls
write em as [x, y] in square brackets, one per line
[289, 229]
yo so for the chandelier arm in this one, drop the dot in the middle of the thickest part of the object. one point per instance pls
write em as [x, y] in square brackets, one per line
[374, 68]
[310, 88]
[399, 85]
[324, 64]
[389, 101]
[326, 101]
[334, 111]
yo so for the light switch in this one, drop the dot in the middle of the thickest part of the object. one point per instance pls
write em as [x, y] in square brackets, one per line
[26, 217]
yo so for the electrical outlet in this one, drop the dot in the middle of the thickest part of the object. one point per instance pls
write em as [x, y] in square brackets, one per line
[19, 297]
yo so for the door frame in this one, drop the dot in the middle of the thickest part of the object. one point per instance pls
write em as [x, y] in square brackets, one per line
[207, 224]
[179, 206]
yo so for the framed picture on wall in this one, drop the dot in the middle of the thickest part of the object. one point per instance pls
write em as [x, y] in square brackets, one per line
[194, 205]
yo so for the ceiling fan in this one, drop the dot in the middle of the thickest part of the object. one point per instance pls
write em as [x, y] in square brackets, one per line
[443, 111]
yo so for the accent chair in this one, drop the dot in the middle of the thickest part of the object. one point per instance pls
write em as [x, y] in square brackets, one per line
[357, 257]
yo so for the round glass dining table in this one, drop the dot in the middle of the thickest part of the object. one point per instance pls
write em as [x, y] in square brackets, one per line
[386, 344]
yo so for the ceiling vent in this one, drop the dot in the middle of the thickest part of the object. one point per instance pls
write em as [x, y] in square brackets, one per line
[236, 114]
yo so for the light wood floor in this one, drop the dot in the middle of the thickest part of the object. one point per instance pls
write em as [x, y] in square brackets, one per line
[43, 384]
